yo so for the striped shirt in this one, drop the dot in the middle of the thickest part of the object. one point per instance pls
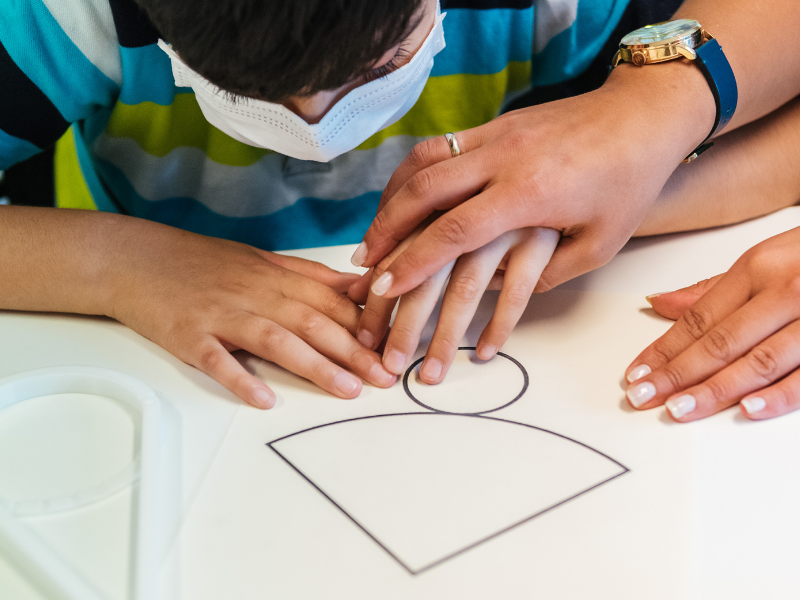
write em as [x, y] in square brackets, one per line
[88, 76]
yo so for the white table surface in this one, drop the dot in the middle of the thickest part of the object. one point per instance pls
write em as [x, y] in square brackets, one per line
[745, 523]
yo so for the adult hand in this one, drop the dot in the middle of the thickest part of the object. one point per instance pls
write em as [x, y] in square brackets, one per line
[737, 340]
[201, 298]
[584, 166]
[512, 263]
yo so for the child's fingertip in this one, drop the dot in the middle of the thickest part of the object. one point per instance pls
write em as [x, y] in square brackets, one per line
[263, 398]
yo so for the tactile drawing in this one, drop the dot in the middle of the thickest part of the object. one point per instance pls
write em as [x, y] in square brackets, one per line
[427, 486]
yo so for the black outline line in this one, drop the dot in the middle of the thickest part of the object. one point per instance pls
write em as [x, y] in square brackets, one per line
[442, 413]
[483, 412]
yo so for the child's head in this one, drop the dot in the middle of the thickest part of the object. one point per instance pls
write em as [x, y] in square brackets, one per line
[278, 49]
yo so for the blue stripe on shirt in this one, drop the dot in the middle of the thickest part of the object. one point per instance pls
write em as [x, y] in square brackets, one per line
[501, 36]
[148, 76]
[571, 52]
[41, 49]
[308, 223]
[14, 150]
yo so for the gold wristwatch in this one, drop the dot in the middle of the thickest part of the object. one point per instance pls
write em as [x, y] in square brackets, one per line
[685, 38]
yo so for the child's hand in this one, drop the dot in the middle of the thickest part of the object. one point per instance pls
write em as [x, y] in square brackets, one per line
[200, 298]
[513, 263]
[737, 340]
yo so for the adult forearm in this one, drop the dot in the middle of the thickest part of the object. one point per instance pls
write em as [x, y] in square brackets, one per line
[759, 38]
[751, 172]
[55, 259]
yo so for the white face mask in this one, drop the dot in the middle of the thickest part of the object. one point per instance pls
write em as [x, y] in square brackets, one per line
[362, 112]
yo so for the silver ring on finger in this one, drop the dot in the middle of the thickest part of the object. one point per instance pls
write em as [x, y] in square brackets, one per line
[453, 143]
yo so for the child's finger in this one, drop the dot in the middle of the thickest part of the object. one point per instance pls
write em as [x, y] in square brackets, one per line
[270, 341]
[413, 313]
[216, 362]
[322, 298]
[334, 342]
[525, 265]
[336, 280]
[377, 313]
[468, 281]
[358, 291]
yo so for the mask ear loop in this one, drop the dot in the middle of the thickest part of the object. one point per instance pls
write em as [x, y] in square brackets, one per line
[29, 553]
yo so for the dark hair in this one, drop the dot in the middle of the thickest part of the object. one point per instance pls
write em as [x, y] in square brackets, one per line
[272, 49]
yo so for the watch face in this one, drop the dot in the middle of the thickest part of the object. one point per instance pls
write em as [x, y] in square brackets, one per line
[662, 33]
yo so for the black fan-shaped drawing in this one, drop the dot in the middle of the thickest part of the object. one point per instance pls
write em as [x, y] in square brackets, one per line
[429, 486]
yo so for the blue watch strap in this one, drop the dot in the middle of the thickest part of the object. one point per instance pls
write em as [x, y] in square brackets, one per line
[717, 70]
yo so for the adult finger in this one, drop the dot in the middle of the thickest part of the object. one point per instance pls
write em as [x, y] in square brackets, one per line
[424, 155]
[525, 266]
[334, 342]
[412, 315]
[209, 356]
[471, 274]
[717, 348]
[672, 305]
[757, 370]
[438, 188]
[270, 341]
[729, 294]
[467, 227]
[775, 400]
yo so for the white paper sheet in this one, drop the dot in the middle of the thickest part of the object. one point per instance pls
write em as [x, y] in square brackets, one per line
[431, 505]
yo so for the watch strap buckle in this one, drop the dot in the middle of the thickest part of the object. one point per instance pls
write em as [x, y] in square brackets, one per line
[698, 151]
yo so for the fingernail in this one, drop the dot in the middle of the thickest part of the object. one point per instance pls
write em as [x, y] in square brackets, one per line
[431, 369]
[648, 298]
[360, 255]
[486, 352]
[639, 394]
[345, 383]
[382, 284]
[638, 373]
[263, 398]
[753, 405]
[366, 338]
[394, 361]
[381, 376]
[680, 406]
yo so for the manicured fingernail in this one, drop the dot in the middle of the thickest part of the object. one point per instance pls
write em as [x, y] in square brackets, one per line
[638, 373]
[366, 338]
[360, 255]
[486, 352]
[263, 398]
[394, 361]
[431, 369]
[681, 406]
[345, 383]
[382, 284]
[648, 298]
[639, 394]
[381, 376]
[753, 405]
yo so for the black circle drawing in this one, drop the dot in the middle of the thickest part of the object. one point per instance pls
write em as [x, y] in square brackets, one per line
[521, 393]
[402, 478]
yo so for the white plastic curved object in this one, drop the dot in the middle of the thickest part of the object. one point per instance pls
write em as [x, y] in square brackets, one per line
[30, 554]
